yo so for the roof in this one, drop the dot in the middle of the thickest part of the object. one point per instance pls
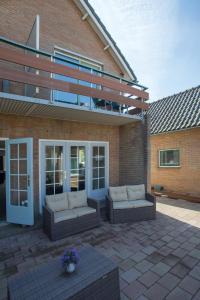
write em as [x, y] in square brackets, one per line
[176, 112]
[105, 36]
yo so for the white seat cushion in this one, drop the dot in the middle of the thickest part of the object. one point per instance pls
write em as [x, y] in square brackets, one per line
[118, 193]
[136, 192]
[81, 211]
[121, 204]
[63, 215]
[140, 203]
[77, 199]
[58, 202]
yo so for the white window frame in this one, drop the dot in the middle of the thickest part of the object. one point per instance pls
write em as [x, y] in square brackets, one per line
[171, 149]
[88, 145]
[80, 58]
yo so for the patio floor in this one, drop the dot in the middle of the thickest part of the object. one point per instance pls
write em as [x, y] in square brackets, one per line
[158, 259]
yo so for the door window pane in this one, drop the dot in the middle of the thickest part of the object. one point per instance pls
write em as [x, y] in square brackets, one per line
[98, 180]
[78, 164]
[23, 198]
[13, 151]
[49, 151]
[22, 150]
[14, 166]
[14, 198]
[23, 166]
[54, 169]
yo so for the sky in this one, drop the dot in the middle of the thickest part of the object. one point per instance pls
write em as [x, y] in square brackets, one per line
[159, 38]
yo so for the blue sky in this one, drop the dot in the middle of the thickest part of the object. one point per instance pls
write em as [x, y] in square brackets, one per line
[159, 38]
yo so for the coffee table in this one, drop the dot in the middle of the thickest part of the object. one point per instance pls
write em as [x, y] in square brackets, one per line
[96, 277]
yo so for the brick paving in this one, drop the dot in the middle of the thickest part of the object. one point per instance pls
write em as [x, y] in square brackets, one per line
[158, 259]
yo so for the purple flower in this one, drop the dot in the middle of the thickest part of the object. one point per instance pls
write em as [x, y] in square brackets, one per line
[70, 256]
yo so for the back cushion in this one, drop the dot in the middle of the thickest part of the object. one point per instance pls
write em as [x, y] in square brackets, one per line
[118, 193]
[77, 199]
[136, 192]
[57, 202]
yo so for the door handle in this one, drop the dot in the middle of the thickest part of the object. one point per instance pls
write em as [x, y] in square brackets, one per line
[64, 175]
[28, 180]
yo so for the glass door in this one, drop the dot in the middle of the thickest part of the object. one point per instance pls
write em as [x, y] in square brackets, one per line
[74, 166]
[19, 181]
[78, 166]
[99, 168]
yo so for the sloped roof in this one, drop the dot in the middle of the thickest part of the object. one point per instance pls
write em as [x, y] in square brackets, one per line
[176, 112]
[102, 31]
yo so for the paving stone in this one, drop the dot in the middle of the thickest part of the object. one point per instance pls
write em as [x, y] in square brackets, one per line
[195, 272]
[123, 296]
[167, 238]
[180, 270]
[148, 279]
[122, 283]
[134, 290]
[144, 266]
[126, 264]
[156, 292]
[195, 253]
[142, 297]
[155, 257]
[194, 240]
[189, 261]
[171, 260]
[179, 252]
[190, 284]
[161, 268]
[130, 275]
[177, 294]
[139, 256]
[173, 244]
[149, 250]
[188, 246]
[197, 296]
[169, 281]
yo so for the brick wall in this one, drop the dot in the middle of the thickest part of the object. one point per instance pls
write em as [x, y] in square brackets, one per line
[16, 127]
[185, 179]
[134, 153]
[60, 25]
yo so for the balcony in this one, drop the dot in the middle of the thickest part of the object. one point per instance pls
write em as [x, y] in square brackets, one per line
[37, 83]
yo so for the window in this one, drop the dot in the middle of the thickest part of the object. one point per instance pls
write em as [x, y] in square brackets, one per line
[169, 158]
[86, 66]
[98, 172]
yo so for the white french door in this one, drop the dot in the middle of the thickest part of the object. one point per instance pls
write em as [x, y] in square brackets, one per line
[74, 166]
[19, 181]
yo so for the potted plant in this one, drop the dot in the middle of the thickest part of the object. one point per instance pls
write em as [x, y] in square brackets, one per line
[69, 260]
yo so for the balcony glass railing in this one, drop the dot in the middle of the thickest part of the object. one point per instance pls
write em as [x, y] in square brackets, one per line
[35, 73]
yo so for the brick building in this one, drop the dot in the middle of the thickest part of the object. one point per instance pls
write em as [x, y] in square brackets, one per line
[66, 107]
[175, 142]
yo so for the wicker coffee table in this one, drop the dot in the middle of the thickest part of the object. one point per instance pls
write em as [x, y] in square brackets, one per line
[96, 278]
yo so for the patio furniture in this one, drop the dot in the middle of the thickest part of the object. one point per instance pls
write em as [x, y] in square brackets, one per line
[95, 278]
[69, 213]
[130, 203]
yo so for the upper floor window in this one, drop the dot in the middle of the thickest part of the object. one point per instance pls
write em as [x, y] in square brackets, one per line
[85, 66]
[169, 158]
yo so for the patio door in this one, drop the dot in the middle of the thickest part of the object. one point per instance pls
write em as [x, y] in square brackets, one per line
[19, 181]
[73, 166]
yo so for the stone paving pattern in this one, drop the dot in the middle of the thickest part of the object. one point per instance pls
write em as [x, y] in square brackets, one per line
[158, 259]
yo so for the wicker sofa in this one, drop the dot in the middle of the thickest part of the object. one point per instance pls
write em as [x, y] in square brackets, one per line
[130, 203]
[69, 213]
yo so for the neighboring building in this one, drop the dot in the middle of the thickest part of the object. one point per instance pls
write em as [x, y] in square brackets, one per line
[175, 142]
[65, 133]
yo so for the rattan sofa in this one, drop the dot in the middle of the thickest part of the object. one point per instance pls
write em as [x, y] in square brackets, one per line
[130, 204]
[69, 213]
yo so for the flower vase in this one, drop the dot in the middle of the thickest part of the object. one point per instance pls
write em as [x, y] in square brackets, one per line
[70, 268]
